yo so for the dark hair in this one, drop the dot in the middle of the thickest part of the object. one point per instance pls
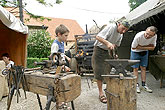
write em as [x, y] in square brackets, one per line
[61, 29]
[153, 29]
[5, 55]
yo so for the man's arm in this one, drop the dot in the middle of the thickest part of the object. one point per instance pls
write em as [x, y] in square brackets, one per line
[105, 42]
[145, 47]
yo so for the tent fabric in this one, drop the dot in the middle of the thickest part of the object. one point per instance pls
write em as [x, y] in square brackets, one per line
[13, 39]
[12, 22]
[145, 10]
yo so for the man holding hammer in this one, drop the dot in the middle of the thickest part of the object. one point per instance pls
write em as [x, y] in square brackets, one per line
[108, 39]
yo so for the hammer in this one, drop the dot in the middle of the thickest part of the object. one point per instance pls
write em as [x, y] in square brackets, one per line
[113, 54]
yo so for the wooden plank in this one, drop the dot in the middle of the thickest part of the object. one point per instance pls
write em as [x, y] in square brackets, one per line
[69, 85]
[58, 70]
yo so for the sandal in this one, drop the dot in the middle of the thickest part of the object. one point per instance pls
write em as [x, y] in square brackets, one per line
[103, 99]
[64, 106]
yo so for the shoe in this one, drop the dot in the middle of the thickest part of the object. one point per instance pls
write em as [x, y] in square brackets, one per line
[103, 99]
[137, 88]
[146, 88]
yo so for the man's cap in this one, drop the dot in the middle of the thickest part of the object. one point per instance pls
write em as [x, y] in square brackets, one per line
[125, 23]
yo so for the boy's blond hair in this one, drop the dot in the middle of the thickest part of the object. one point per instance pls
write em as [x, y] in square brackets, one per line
[61, 29]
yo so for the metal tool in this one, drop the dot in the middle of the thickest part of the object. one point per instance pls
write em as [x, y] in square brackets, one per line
[56, 60]
[120, 65]
[113, 53]
[15, 78]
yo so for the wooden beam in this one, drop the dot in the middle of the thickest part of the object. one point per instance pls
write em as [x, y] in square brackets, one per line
[69, 85]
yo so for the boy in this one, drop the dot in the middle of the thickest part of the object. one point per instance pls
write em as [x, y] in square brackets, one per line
[62, 33]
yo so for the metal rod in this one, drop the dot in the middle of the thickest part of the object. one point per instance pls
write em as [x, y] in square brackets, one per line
[39, 101]
[111, 93]
[20, 10]
[72, 104]
[114, 76]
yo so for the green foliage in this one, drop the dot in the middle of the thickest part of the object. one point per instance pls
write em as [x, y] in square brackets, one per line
[58, 1]
[41, 18]
[42, 2]
[30, 62]
[5, 3]
[39, 44]
[45, 3]
[135, 3]
[41, 59]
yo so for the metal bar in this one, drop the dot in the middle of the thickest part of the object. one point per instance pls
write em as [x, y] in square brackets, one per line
[111, 93]
[10, 97]
[50, 97]
[48, 103]
[113, 76]
[39, 101]
[72, 104]
[21, 10]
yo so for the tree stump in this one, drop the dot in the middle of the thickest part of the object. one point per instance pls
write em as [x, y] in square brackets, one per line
[121, 93]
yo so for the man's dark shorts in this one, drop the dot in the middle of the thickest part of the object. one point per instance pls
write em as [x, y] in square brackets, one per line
[100, 67]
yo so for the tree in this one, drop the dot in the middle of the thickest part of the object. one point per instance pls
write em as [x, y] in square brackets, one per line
[22, 3]
[5, 3]
[39, 44]
[135, 3]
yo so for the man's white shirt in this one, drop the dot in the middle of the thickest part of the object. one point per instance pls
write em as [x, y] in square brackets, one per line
[11, 63]
[110, 34]
[141, 40]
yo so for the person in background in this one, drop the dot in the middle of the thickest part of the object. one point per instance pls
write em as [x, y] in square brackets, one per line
[7, 60]
[107, 39]
[143, 41]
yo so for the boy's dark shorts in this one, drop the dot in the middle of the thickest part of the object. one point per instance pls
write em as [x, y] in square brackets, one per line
[100, 67]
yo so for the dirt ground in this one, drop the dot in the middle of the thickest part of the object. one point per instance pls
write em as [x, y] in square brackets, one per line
[88, 100]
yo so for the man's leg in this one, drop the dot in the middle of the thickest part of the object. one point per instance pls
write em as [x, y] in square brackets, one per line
[143, 65]
[98, 68]
[99, 85]
[135, 71]
[102, 98]
[143, 75]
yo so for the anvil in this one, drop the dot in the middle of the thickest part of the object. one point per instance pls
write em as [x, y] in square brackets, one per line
[121, 64]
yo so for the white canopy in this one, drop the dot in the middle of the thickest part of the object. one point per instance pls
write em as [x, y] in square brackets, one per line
[12, 22]
[145, 10]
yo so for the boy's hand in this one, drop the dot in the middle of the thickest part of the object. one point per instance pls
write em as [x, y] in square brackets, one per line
[69, 59]
[67, 69]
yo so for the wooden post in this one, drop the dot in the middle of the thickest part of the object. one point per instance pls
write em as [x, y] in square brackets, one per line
[121, 93]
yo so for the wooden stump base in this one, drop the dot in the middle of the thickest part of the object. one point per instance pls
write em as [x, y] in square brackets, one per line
[121, 93]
